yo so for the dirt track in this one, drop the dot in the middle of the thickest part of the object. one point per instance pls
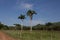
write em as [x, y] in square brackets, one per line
[4, 36]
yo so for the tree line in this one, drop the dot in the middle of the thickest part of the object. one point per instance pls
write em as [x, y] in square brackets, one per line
[46, 26]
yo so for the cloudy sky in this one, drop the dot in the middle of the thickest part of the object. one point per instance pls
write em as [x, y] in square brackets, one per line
[47, 11]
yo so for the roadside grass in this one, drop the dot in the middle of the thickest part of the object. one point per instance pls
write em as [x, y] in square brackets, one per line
[34, 35]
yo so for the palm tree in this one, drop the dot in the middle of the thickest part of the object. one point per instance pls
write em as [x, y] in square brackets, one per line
[30, 13]
[22, 17]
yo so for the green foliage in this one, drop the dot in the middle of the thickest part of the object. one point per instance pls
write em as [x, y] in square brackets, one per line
[5, 27]
[47, 26]
[17, 26]
[2, 26]
[30, 13]
[21, 17]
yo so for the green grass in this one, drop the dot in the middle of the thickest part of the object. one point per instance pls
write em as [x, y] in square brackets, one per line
[35, 35]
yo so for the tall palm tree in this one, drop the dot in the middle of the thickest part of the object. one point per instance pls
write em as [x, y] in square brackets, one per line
[22, 17]
[30, 13]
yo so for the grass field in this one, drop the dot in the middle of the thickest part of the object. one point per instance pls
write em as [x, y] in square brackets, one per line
[35, 35]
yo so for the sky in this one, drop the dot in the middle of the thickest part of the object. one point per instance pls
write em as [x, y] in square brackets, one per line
[47, 11]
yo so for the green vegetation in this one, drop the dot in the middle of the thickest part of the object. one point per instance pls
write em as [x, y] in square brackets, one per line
[48, 26]
[3, 27]
[35, 35]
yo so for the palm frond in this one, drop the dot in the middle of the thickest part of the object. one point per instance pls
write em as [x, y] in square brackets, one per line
[21, 17]
[30, 12]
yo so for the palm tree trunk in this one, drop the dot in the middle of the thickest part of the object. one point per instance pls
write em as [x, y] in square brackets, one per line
[31, 26]
[21, 30]
[22, 26]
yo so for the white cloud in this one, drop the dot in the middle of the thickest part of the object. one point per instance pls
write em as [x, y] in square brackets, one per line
[26, 5]
[23, 5]
[20, 4]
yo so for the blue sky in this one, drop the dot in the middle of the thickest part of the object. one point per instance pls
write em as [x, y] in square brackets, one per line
[47, 11]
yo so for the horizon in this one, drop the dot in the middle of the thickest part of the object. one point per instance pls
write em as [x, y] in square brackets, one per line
[47, 11]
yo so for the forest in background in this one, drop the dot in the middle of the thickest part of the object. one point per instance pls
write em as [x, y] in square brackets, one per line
[46, 26]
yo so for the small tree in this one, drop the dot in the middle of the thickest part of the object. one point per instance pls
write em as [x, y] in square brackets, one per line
[22, 17]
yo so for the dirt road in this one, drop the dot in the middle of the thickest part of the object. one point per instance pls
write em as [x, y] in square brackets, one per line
[4, 36]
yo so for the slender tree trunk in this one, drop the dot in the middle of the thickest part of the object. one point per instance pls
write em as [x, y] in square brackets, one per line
[31, 26]
[21, 30]
[22, 26]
